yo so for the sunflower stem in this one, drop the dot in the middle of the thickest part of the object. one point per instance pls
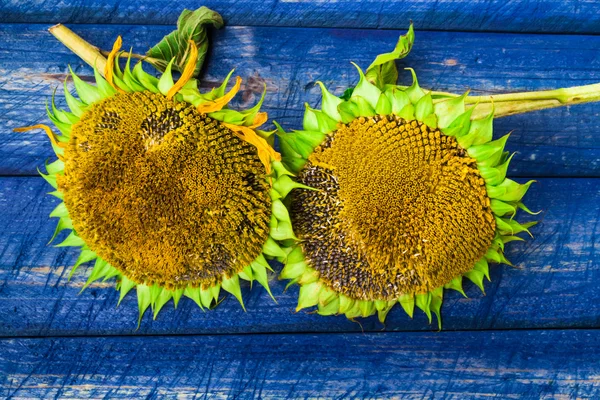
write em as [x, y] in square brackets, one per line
[155, 62]
[522, 102]
[88, 53]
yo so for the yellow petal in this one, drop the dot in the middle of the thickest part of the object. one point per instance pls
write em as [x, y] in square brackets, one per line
[188, 71]
[259, 119]
[48, 131]
[110, 63]
[265, 152]
[218, 104]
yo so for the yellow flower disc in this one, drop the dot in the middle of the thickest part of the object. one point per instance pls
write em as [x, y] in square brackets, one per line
[400, 208]
[164, 193]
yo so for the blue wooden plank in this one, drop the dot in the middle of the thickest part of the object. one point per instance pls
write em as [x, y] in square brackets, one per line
[479, 15]
[549, 143]
[554, 284]
[510, 364]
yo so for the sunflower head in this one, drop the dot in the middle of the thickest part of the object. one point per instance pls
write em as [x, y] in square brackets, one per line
[411, 196]
[166, 188]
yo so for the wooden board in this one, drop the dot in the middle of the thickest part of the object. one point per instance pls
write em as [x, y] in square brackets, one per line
[555, 284]
[560, 142]
[510, 364]
[465, 15]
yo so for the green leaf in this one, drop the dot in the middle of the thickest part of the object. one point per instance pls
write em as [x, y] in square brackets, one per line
[191, 25]
[383, 69]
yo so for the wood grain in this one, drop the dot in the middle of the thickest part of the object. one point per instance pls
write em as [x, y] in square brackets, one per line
[560, 142]
[554, 284]
[447, 365]
[564, 16]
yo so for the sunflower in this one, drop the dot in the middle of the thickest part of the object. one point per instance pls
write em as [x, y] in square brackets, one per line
[409, 198]
[165, 188]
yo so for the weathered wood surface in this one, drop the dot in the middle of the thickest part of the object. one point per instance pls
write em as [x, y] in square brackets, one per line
[555, 284]
[447, 365]
[481, 15]
[560, 142]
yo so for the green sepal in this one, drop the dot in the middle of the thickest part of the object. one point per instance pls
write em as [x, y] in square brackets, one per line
[250, 114]
[331, 308]
[89, 94]
[284, 185]
[316, 120]
[58, 194]
[232, 285]
[120, 83]
[129, 79]
[309, 295]
[431, 121]
[460, 126]
[246, 274]
[366, 307]
[51, 179]
[148, 81]
[480, 132]
[424, 107]
[476, 277]
[55, 167]
[124, 286]
[206, 297]
[354, 311]
[271, 248]
[86, 255]
[488, 154]
[329, 103]
[280, 211]
[511, 226]
[495, 175]
[72, 241]
[194, 294]
[101, 268]
[423, 301]
[63, 223]
[60, 211]
[76, 106]
[327, 296]
[310, 275]
[508, 190]
[105, 89]
[165, 83]
[398, 98]
[143, 299]
[364, 107]
[482, 266]
[407, 301]
[162, 299]
[177, 293]
[346, 304]
[449, 110]
[366, 90]
[348, 111]
[280, 169]
[260, 274]
[501, 208]
[437, 298]
[414, 91]
[408, 112]
[382, 311]
[111, 273]
[293, 270]
[456, 284]
[384, 105]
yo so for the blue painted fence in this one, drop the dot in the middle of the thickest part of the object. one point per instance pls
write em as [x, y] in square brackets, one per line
[534, 333]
